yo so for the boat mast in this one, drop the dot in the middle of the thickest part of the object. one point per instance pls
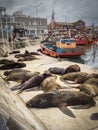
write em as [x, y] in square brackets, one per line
[69, 33]
[53, 20]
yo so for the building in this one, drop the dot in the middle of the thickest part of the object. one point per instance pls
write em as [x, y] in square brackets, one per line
[78, 26]
[6, 24]
[57, 26]
[2, 11]
[92, 31]
[26, 26]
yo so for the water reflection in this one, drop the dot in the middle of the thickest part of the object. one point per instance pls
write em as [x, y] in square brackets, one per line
[91, 55]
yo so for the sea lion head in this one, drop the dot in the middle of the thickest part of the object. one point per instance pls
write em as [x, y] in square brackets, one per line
[88, 89]
[73, 68]
[21, 64]
[39, 101]
[48, 74]
[92, 75]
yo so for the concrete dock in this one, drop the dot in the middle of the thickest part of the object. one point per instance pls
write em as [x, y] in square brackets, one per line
[52, 118]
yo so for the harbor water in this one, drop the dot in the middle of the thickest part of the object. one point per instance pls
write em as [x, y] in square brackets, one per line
[90, 57]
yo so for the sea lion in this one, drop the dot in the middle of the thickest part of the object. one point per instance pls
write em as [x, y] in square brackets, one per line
[6, 61]
[78, 100]
[72, 68]
[14, 52]
[34, 53]
[92, 75]
[17, 70]
[57, 70]
[49, 84]
[27, 58]
[90, 87]
[12, 65]
[21, 76]
[26, 53]
[19, 55]
[61, 71]
[34, 81]
[77, 77]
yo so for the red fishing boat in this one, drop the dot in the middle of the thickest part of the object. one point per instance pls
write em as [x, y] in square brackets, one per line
[63, 48]
[82, 41]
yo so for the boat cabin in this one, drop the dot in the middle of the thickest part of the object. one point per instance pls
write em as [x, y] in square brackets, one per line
[66, 43]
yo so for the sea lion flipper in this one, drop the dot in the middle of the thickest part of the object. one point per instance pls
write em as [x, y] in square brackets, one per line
[66, 110]
[81, 106]
[16, 87]
[32, 89]
[22, 88]
[68, 81]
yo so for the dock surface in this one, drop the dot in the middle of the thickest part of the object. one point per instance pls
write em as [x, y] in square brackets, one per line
[52, 118]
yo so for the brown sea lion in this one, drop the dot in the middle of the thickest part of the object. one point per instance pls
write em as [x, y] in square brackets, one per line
[27, 58]
[26, 53]
[17, 70]
[92, 75]
[34, 81]
[21, 76]
[14, 52]
[49, 84]
[90, 87]
[12, 66]
[34, 53]
[6, 61]
[77, 77]
[78, 100]
[19, 55]
[72, 68]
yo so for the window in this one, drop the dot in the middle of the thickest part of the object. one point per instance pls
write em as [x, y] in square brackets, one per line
[30, 23]
[34, 23]
[39, 22]
[42, 31]
[38, 31]
[27, 32]
[32, 31]
[67, 43]
[19, 23]
[67, 40]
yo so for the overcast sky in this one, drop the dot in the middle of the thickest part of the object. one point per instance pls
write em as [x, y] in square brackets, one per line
[65, 10]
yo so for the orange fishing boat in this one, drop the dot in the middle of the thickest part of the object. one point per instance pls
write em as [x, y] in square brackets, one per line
[62, 48]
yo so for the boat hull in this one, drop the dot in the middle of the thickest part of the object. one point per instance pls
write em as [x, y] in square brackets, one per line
[82, 42]
[71, 53]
